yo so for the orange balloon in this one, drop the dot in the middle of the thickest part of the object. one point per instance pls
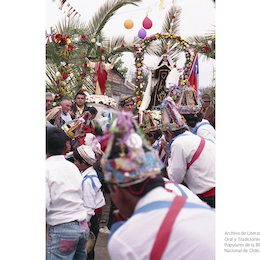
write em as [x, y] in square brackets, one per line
[128, 24]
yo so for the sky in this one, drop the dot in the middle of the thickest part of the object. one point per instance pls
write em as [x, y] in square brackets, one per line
[197, 18]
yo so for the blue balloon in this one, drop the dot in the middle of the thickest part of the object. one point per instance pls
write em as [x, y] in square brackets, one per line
[142, 33]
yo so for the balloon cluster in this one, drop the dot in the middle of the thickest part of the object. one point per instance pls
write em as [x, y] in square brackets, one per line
[129, 24]
[147, 24]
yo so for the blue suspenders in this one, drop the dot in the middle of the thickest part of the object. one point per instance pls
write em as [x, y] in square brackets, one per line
[194, 131]
[90, 177]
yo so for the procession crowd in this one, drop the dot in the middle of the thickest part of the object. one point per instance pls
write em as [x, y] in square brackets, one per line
[161, 180]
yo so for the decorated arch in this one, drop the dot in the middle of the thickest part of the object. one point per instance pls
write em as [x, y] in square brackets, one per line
[139, 57]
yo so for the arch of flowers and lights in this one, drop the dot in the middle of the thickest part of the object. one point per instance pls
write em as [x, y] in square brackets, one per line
[139, 57]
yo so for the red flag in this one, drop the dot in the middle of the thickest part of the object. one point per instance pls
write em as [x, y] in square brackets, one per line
[194, 75]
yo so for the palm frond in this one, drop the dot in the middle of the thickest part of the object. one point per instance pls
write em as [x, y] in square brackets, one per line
[106, 11]
[170, 23]
[203, 44]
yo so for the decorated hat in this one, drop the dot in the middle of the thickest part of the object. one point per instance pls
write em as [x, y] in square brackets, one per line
[73, 127]
[147, 122]
[206, 97]
[188, 102]
[125, 99]
[87, 154]
[171, 119]
[53, 113]
[128, 159]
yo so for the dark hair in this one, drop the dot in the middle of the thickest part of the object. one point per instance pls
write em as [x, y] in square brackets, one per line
[156, 134]
[78, 157]
[80, 93]
[92, 110]
[179, 131]
[104, 56]
[193, 119]
[55, 140]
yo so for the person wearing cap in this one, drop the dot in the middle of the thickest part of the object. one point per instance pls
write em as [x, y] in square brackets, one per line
[191, 157]
[126, 103]
[67, 228]
[207, 110]
[84, 159]
[152, 222]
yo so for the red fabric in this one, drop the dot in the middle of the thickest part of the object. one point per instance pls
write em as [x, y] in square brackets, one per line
[197, 153]
[98, 210]
[165, 230]
[193, 79]
[81, 141]
[208, 193]
[100, 75]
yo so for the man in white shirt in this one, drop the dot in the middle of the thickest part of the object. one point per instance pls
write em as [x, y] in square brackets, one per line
[67, 227]
[65, 104]
[200, 126]
[155, 223]
[191, 158]
[84, 159]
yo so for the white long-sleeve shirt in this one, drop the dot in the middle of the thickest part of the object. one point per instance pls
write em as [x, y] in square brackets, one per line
[92, 196]
[201, 175]
[206, 130]
[192, 236]
[63, 191]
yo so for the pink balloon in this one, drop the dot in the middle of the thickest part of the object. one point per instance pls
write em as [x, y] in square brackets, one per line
[142, 33]
[147, 23]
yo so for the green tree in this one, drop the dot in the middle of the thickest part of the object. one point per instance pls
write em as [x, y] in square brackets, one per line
[69, 58]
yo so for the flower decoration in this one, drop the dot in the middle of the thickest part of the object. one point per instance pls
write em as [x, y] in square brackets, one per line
[83, 37]
[140, 51]
[101, 99]
[102, 50]
[63, 39]
[65, 47]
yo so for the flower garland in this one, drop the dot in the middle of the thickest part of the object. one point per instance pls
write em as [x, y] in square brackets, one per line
[139, 57]
[100, 99]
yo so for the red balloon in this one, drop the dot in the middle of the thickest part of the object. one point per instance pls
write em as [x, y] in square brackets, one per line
[147, 23]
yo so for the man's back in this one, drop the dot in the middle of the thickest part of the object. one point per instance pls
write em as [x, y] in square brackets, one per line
[63, 191]
[192, 236]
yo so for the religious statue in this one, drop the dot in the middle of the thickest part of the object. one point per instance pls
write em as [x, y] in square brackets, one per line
[161, 79]
[100, 74]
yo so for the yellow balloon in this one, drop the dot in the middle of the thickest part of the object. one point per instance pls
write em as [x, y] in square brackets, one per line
[128, 24]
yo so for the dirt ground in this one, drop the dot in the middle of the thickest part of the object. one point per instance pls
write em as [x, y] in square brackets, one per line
[101, 252]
